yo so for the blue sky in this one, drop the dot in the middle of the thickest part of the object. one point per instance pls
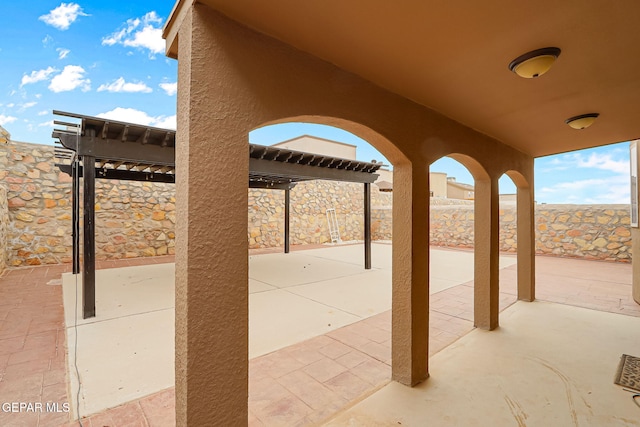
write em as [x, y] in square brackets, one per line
[107, 59]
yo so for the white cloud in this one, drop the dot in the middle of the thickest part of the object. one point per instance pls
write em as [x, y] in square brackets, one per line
[62, 53]
[142, 33]
[46, 124]
[613, 189]
[43, 112]
[169, 88]
[71, 77]
[26, 105]
[136, 116]
[169, 122]
[119, 85]
[604, 162]
[46, 40]
[63, 16]
[37, 76]
[6, 119]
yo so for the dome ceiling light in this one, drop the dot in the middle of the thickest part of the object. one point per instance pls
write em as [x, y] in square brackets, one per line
[535, 63]
[582, 121]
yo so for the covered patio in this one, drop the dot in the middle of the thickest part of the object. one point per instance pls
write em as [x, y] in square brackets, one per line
[419, 81]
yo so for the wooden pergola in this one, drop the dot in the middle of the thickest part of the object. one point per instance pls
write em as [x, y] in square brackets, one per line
[96, 147]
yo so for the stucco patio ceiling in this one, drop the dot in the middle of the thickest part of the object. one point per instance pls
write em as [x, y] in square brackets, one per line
[453, 57]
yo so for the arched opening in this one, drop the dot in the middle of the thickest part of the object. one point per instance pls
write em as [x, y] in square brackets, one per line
[508, 239]
[470, 299]
[452, 233]
[525, 235]
[319, 322]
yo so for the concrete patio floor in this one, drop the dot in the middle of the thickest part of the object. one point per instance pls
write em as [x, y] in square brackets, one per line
[309, 381]
[127, 350]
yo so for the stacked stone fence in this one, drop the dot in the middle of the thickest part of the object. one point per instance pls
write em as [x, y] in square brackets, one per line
[598, 232]
[309, 202]
[4, 228]
[135, 219]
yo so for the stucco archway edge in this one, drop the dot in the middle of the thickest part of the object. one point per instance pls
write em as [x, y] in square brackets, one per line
[231, 80]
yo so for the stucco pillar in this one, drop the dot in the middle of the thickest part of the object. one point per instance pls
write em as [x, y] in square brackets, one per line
[410, 306]
[635, 231]
[526, 244]
[486, 254]
[211, 233]
[635, 264]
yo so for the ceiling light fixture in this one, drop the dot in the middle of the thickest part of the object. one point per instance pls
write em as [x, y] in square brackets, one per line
[582, 121]
[535, 63]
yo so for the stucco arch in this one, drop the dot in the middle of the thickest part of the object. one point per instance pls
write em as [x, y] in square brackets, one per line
[375, 139]
[476, 169]
[518, 178]
[486, 247]
[410, 299]
[525, 211]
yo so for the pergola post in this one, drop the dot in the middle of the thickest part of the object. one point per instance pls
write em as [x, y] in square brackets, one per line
[287, 203]
[88, 246]
[75, 214]
[367, 226]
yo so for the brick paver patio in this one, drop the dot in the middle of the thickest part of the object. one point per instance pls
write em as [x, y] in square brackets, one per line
[302, 384]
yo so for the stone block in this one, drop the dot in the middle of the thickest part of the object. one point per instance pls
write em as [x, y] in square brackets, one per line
[600, 242]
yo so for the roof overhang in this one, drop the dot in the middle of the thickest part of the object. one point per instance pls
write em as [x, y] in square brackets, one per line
[453, 57]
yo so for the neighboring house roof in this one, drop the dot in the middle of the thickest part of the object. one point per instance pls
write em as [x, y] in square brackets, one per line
[384, 185]
[461, 185]
[325, 140]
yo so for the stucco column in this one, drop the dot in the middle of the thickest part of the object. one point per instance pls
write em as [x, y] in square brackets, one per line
[410, 306]
[211, 234]
[635, 264]
[635, 231]
[486, 253]
[526, 244]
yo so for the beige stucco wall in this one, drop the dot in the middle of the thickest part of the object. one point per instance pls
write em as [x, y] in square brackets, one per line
[438, 184]
[232, 80]
[311, 144]
[456, 191]
[385, 175]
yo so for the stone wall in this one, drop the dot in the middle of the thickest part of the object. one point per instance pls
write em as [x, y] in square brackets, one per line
[309, 202]
[591, 232]
[585, 231]
[135, 219]
[4, 227]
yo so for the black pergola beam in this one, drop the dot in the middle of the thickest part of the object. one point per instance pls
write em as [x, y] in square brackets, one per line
[125, 175]
[297, 172]
[265, 185]
[116, 150]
